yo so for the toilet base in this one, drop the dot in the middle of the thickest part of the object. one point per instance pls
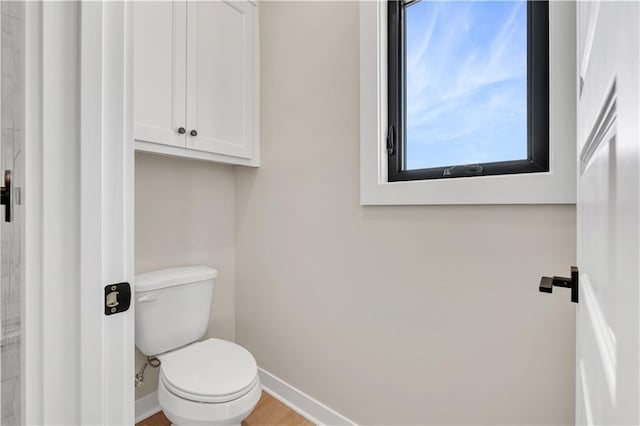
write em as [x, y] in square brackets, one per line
[235, 424]
[182, 412]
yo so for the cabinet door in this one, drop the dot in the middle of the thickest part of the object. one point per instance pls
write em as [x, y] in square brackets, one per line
[160, 31]
[222, 77]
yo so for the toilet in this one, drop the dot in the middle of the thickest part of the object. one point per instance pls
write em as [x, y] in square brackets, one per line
[210, 382]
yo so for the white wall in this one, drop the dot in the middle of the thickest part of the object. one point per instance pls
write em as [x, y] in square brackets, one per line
[389, 315]
[184, 215]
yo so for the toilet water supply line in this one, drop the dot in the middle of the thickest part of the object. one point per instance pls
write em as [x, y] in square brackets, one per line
[139, 377]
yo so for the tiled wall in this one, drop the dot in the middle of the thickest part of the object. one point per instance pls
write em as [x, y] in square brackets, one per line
[11, 158]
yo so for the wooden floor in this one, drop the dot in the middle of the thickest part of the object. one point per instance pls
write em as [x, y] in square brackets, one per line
[268, 412]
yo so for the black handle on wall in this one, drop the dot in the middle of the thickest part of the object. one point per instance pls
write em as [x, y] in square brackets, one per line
[194, 132]
[5, 196]
[547, 284]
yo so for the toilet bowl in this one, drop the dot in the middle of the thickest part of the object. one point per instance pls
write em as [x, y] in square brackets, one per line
[211, 382]
[184, 412]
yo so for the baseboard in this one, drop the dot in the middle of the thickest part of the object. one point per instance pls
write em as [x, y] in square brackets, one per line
[147, 406]
[300, 402]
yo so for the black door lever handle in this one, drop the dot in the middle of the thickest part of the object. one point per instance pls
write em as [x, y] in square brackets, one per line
[5, 196]
[547, 284]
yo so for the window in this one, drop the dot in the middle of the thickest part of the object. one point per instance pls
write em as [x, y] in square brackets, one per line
[468, 88]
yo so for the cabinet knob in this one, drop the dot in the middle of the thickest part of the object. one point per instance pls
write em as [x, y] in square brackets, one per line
[182, 130]
[194, 132]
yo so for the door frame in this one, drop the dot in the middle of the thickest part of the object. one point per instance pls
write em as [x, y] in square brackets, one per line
[78, 363]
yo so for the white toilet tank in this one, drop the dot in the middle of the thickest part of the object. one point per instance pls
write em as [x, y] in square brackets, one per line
[172, 307]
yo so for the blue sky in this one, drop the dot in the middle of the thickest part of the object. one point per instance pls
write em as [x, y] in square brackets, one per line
[466, 82]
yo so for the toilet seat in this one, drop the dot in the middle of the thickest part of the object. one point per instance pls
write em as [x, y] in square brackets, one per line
[212, 371]
[183, 412]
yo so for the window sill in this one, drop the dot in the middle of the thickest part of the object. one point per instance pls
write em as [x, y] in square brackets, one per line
[532, 188]
[555, 187]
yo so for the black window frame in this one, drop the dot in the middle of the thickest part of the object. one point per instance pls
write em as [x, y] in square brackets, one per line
[537, 101]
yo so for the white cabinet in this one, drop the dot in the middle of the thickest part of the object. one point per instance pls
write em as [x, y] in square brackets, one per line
[221, 75]
[196, 80]
[160, 41]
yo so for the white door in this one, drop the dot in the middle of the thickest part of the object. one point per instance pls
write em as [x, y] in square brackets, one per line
[106, 214]
[608, 319]
[160, 52]
[79, 354]
[221, 77]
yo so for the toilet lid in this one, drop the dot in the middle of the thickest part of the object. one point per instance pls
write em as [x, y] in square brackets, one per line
[211, 371]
